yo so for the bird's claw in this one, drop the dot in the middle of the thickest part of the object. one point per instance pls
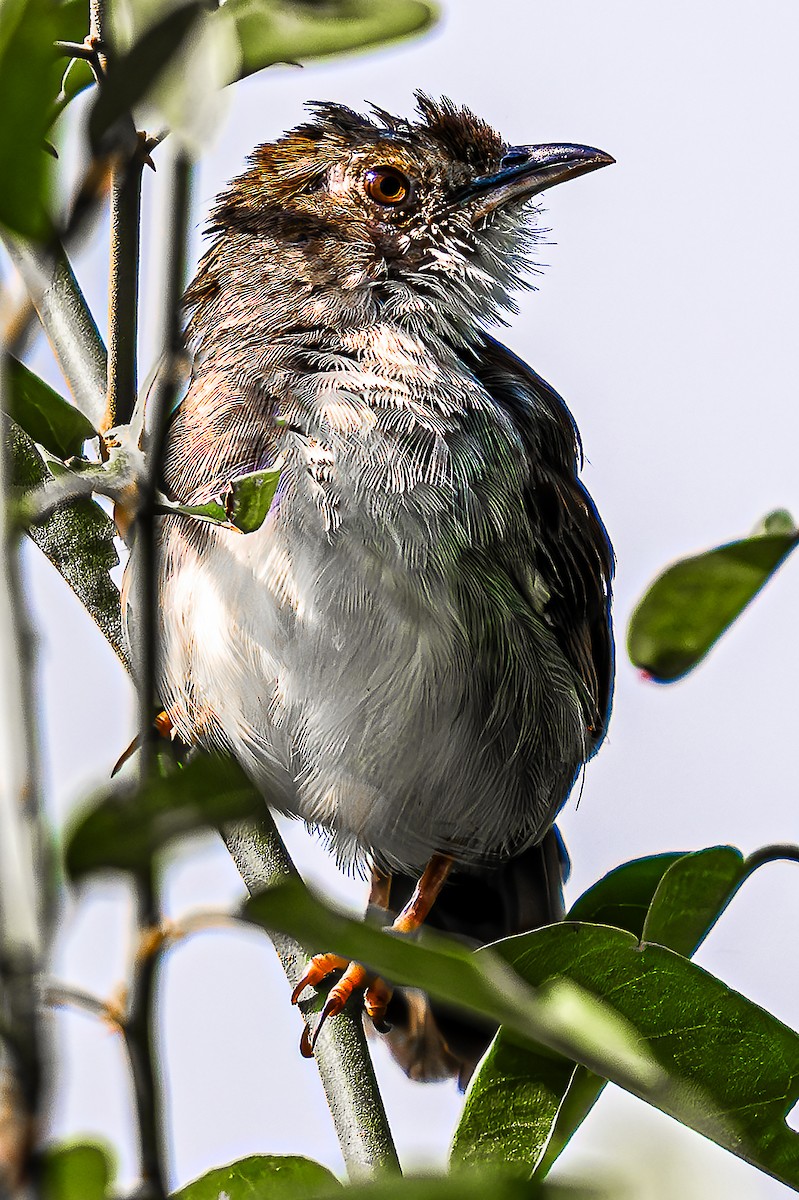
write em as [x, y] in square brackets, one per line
[320, 966]
[376, 996]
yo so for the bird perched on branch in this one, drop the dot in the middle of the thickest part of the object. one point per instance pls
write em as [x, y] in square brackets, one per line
[414, 652]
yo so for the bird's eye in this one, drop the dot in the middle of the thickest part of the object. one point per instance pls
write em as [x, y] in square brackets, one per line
[387, 185]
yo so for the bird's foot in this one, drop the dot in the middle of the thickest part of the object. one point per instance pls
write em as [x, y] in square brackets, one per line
[377, 994]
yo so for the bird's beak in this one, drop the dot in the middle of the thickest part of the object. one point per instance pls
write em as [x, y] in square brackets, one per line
[527, 170]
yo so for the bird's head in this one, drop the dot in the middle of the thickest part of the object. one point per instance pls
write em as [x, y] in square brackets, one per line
[439, 205]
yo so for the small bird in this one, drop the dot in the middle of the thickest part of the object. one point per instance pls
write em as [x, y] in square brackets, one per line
[414, 652]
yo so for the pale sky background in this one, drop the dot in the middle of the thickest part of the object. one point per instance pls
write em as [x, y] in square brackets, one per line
[666, 318]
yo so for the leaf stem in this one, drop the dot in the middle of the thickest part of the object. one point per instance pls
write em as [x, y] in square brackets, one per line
[341, 1054]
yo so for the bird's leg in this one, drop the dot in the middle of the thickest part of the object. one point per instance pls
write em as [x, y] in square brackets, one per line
[355, 976]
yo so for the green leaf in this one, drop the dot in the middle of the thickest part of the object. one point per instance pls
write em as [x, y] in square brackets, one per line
[78, 538]
[694, 601]
[27, 31]
[44, 415]
[734, 1068]
[623, 896]
[691, 897]
[561, 1019]
[511, 1106]
[126, 828]
[178, 84]
[520, 1107]
[273, 1175]
[244, 504]
[76, 1171]
[134, 74]
[249, 498]
[523, 1106]
[273, 31]
[213, 511]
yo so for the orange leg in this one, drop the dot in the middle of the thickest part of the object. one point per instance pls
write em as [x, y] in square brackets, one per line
[355, 977]
[162, 726]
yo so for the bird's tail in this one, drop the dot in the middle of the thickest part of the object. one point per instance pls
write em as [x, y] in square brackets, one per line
[430, 1042]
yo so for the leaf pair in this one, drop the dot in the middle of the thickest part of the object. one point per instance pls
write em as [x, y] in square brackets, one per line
[733, 1068]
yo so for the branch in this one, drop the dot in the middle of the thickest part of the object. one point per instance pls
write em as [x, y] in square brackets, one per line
[24, 869]
[123, 290]
[66, 320]
[341, 1053]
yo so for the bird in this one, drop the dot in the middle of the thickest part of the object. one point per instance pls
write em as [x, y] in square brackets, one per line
[414, 653]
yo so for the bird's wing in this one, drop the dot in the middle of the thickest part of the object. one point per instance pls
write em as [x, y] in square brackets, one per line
[224, 427]
[574, 554]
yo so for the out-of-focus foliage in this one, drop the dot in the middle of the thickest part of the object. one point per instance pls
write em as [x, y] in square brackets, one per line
[273, 1175]
[28, 29]
[76, 1171]
[687, 609]
[123, 831]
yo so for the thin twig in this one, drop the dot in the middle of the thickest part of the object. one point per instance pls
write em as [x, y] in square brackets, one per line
[160, 404]
[140, 1040]
[123, 292]
[76, 50]
[62, 995]
[341, 1053]
[139, 1024]
[65, 318]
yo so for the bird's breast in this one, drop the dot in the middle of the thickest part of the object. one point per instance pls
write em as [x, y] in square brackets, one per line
[338, 648]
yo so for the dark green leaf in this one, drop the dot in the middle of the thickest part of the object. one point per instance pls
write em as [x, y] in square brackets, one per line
[734, 1068]
[523, 1105]
[261, 1175]
[623, 896]
[444, 968]
[44, 415]
[691, 897]
[694, 601]
[27, 31]
[125, 829]
[78, 538]
[511, 1106]
[273, 31]
[76, 1171]
[134, 73]
[248, 499]
[514, 1108]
